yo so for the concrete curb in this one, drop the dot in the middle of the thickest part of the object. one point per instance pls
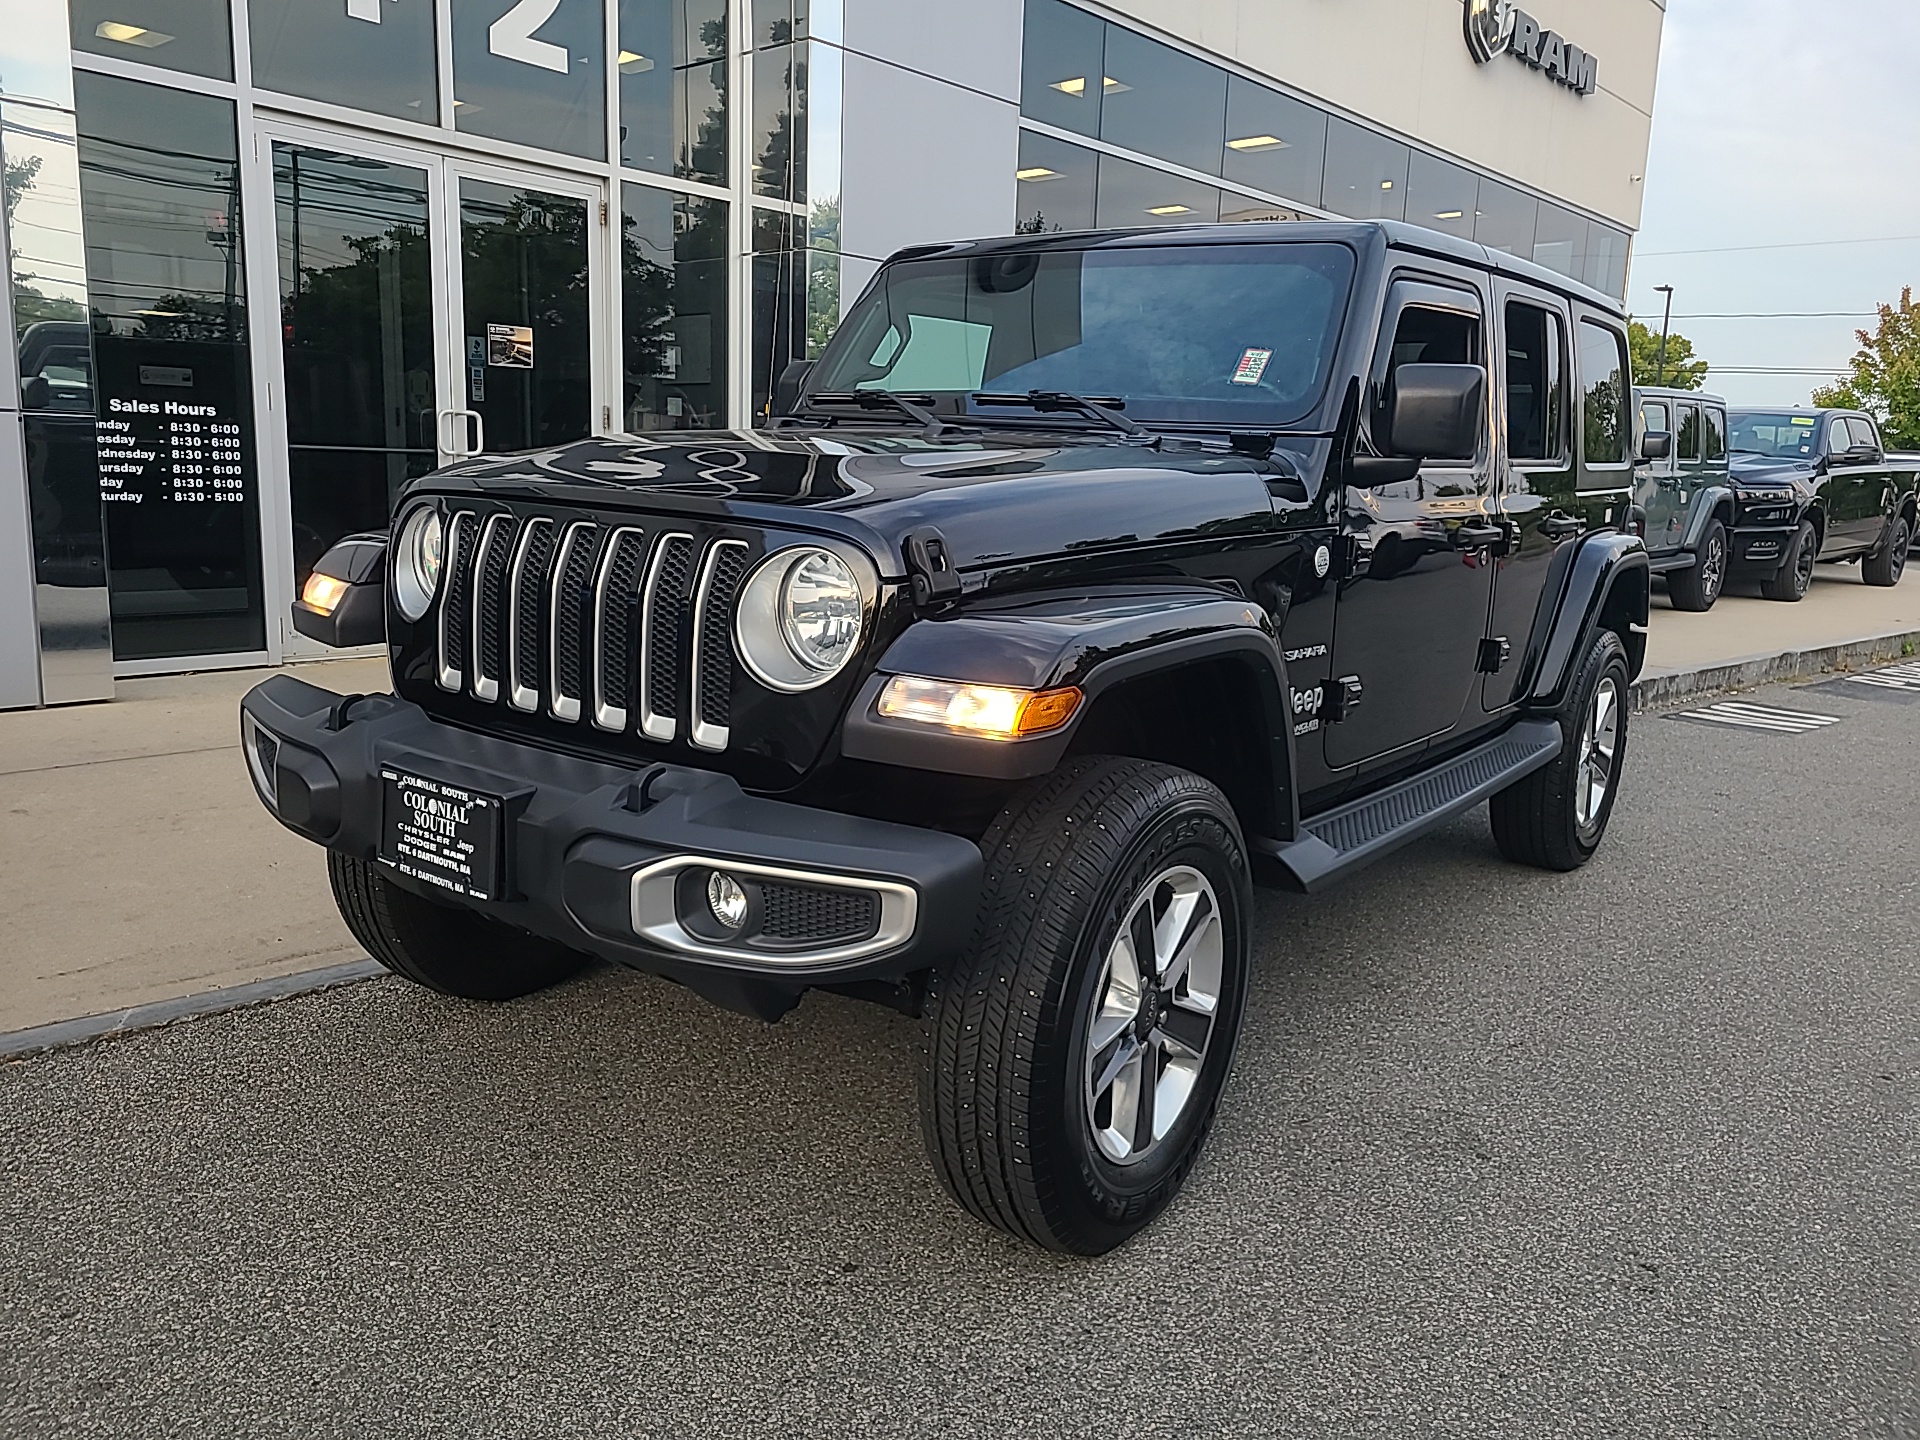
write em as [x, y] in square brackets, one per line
[64, 1033]
[1753, 671]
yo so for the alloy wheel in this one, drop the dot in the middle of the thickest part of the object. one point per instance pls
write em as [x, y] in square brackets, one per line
[1599, 746]
[1713, 568]
[1153, 1011]
[1803, 566]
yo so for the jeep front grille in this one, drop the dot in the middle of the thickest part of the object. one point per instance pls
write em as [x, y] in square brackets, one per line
[617, 626]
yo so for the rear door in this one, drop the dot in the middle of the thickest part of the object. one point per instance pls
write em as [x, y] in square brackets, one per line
[1657, 479]
[1870, 496]
[1412, 606]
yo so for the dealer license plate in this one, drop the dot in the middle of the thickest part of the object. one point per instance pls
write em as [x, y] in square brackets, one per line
[441, 834]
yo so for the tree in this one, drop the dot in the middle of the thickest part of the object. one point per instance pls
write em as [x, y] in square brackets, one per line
[1683, 372]
[1885, 378]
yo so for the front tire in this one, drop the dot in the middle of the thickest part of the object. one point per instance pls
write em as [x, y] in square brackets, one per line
[1890, 563]
[1079, 1051]
[1792, 580]
[1555, 818]
[443, 947]
[1698, 587]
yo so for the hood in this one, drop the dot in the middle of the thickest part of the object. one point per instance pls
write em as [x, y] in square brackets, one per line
[1766, 470]
[997, 498]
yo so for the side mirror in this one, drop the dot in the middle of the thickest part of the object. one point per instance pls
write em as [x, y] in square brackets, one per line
[35, 393]
[1656, 445]
[786, 390]
[1862, 455]
[344, 602]
[1436, 411]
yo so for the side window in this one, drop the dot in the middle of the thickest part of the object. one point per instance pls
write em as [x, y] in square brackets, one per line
[1839, 438]
[1603, 379]
[1536, 383]
[1863, 432]
[1426, 336]
[1716, 437]
[1687, 446]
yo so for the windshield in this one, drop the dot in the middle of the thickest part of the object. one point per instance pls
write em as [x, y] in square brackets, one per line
[1218, 334]
[1779, 435]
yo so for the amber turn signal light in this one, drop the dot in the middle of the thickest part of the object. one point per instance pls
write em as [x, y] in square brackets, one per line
[993, 712]
[322, 592]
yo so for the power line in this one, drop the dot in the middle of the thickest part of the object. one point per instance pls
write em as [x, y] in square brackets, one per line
[1768, 370]
[1780, 315]
[1791, 245]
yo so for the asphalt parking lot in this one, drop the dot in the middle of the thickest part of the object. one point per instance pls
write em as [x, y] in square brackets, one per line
[1632, 1152]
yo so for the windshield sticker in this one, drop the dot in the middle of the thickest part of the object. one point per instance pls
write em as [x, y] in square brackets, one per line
[1253, 364]
[1805, 420]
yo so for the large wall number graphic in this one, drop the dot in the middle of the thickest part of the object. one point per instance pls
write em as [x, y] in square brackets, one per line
[511, 36]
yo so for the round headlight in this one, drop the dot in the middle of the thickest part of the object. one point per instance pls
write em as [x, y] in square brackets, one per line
[799, 619]
[417, 557]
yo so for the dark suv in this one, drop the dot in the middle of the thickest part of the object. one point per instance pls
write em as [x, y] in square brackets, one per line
[1087, 578]
[1685, 495]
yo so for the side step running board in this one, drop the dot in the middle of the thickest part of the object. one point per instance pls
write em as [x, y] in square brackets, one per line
[1334, 845]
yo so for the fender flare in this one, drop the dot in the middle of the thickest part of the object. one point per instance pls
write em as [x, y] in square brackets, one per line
[1603, 564]
[1706, 504]
[1094, 638]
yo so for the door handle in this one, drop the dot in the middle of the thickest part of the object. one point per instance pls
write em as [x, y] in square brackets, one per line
[1474, 536]
[455, 427]
[1668, 482]
[1558, 527]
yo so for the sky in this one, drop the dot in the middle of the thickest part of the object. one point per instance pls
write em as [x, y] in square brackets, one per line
[1785, 125]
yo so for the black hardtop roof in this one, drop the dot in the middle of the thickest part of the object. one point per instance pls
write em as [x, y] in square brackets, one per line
[1794, 410]
[1395, 234]
[1667, 392]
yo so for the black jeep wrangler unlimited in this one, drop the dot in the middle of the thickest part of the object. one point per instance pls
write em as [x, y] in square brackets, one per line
[1086, 579]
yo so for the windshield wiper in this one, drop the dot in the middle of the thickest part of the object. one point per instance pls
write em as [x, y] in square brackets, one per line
[935, 427]
[1053, 401]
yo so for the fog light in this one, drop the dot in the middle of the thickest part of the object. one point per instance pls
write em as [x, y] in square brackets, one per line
[726, 900]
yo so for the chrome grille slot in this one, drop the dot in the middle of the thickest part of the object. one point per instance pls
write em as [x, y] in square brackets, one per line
[451, 671]
[613, 653]
[489, 606]
[567, 620]
[720, 581]
[663, 610]
[530, 561]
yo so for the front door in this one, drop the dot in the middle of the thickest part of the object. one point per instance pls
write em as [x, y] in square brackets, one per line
[1857, 485]
[429, 309]
[1415, 587]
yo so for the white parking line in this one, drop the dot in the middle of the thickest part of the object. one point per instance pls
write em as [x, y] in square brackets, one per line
[1894, 677]
[1759, 717]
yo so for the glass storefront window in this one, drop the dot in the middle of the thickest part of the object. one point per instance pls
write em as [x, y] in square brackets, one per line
[779, 300]
[1062, 71]
[1607, 260]
[356, 314]
[1131, 194]
[673, 87]
[1366, 174]
[673, 273]
[778, 22]
[1441, 196]
[1506, 219]
[1163, 102]
[779, 137]
[375, 55]
[530, 72]
[160, 188]
[188, 35]
[1274, 142]
[524, 286]
[1056, 185]
[1560, 241]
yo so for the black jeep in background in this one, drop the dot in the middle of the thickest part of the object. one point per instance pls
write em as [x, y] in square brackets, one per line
[1816, 485]
[1684, 495]
[1087, 579]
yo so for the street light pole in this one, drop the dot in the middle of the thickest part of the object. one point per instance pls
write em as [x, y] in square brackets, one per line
[1660, 366]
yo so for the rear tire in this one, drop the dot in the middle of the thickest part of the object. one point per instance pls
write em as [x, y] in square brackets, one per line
[443, 947]
[1699, 585]
[1791, 581]
[1555, 818]
[1079, 1050]
[1890, 563]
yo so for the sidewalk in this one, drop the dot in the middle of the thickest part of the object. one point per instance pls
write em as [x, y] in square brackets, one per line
[136, 866]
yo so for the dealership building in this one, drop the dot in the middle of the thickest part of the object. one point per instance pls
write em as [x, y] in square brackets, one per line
[271, 259]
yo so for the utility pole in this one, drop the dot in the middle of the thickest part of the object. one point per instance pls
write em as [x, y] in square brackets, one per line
[1660, 367]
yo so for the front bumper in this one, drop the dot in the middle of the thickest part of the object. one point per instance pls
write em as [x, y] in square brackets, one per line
[1758, 551]
[594, 854]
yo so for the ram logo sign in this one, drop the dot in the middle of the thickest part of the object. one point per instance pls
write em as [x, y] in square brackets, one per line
[1498, 27]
